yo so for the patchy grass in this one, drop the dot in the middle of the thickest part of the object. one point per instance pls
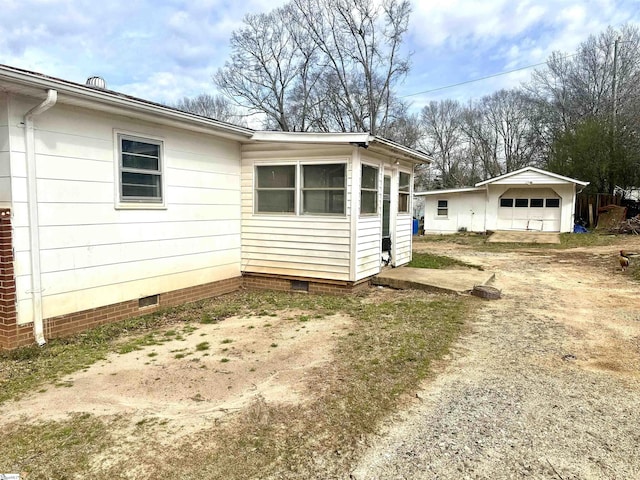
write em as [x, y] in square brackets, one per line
[62, 449]
[428, 260]
[390, 349]
[388, 352]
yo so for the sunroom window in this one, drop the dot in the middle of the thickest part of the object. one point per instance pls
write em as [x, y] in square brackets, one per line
[275, 188]
[324, 189]
[404, 190]
[369, 190]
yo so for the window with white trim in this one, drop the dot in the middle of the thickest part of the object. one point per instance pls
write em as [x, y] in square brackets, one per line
[140, 169]
[443, 208]
[275, 189]
[369, 190]
[404, 192]
[324, 188]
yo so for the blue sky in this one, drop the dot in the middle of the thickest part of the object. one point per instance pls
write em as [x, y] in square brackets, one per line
[163, 50]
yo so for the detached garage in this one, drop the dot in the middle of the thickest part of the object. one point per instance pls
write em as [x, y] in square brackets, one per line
[526, 199]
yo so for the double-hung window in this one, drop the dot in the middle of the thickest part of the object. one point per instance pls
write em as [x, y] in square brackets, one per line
[324, 188]
[404, 190]
[275, 189]
[140, 170]
[443, 208]
[369, 190]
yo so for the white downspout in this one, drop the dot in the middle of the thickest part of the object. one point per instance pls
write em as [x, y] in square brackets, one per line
[32, 206]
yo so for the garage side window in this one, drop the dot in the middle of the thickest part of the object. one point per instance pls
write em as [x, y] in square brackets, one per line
[140, 170]
[323, 189]
[404, 191]
[275, 189]
[369, 190]
[443, 208]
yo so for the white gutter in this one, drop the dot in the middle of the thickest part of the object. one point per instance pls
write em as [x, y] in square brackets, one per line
[32, 206]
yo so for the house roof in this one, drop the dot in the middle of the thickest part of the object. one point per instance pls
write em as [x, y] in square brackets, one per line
[535, 170]
[449, 191]
[33, 84]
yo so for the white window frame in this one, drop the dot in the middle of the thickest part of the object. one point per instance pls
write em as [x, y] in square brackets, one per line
[445, 208]
[295, 188]
[304, 189]
[122, 202]
[375, 190]
[404, 194]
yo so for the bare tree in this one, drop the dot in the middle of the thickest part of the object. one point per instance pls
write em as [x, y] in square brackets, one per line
[506, 112]
[212, 106]
[320, 65]
[442, 124]
[263, 67]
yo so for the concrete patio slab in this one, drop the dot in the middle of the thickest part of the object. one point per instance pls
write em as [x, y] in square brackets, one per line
[445, 281]
[503, 236]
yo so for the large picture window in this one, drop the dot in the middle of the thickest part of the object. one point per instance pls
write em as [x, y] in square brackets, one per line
[140, 170]
[369, 190]
[324, 189]
[275, 189]
[404, 191]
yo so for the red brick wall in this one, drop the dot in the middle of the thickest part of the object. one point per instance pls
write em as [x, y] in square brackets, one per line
[69, 324]
[254, 281]
[8, 320]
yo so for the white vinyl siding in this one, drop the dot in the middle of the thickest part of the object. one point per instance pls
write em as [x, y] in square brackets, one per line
[93, 254]
[451, 212]
[404, 237]
[368, 246]
[305, 245]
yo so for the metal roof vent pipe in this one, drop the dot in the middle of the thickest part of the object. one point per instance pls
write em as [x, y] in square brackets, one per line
[96, 82]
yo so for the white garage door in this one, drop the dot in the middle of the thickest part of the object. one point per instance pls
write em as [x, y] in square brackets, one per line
[529, 209]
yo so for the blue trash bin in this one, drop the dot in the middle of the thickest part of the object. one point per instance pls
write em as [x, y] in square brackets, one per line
[416, 225]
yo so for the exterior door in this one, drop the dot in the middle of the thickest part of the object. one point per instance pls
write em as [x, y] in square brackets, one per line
[386, 214]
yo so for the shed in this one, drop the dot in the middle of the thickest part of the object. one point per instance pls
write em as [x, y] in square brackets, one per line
[112, 206]
[525, 199]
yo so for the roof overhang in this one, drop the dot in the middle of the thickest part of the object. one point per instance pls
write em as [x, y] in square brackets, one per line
[533, 169]
[370, 142]
[448, 191]
[23, 82]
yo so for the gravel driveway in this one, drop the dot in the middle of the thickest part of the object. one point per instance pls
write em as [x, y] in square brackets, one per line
[545, 385]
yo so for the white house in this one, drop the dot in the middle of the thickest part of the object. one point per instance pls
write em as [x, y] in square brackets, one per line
[111, 206]
[526, 199]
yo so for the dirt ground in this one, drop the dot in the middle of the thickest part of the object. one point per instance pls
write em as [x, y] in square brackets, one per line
[545, 385]
[172, 383]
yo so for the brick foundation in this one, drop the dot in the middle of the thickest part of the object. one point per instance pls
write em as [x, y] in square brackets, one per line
[66, 325]
[257, 281]
[13, 335]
